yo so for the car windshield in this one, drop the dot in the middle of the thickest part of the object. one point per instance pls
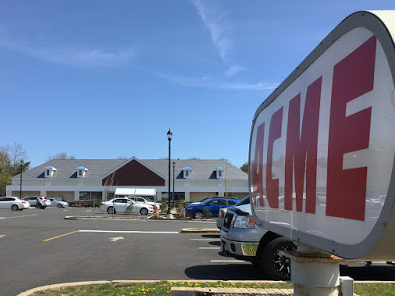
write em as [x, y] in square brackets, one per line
[244, 201]
[206, 201]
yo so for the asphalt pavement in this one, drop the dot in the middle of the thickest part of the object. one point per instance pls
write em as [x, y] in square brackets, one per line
[41, 247]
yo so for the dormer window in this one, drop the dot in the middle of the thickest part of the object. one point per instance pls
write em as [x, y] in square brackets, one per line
[186, 172]
[81, 172]
[219, 172]
[49, 171]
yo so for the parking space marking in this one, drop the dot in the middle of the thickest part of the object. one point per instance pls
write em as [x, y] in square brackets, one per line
[201, 239]
[129, 231]
[112, 231]
[225, 261]
[4, 218]
[3, 235]
[209, 248]
[48, 239]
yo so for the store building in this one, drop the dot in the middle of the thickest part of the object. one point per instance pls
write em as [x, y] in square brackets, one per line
[81, 179]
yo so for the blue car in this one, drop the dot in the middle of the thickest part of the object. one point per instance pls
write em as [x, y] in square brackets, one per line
[195, 210]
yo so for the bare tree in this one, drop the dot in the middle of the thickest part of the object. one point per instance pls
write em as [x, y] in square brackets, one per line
[108, 183]
[61, 155]
[15, 153]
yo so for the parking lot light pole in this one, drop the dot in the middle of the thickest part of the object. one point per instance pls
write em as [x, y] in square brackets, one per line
[169, 136]
[20, 183]
[174, 165]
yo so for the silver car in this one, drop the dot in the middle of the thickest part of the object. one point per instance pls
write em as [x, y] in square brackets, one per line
[58, 203]
[222, 211]
[244, 240]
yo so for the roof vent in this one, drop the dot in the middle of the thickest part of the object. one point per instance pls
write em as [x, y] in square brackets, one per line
[220, 172]
[81, 171]
[49, 171]
[186, 172]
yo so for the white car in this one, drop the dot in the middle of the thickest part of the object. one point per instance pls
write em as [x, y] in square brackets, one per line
[140, 199]
[32, 200]
[125, 205]
[58, 203]
[13, 203]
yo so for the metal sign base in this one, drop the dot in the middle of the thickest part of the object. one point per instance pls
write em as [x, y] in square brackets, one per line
[315, 273]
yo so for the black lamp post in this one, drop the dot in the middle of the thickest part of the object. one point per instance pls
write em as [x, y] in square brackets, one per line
[169, 135]
[20, 183]
[174, 165]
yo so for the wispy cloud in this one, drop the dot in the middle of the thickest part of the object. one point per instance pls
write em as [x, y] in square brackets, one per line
[213, 21]
[206, 82]
[232, 70]
[71, 56]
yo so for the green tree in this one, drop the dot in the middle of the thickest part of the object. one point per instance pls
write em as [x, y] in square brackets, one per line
[244, 167]
[12, 162]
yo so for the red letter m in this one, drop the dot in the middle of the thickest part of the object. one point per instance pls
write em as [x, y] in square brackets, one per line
[301, 151]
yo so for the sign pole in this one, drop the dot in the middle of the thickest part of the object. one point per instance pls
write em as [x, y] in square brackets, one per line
[317, 273]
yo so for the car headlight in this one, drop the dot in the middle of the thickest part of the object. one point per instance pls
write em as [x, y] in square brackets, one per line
[244, 222]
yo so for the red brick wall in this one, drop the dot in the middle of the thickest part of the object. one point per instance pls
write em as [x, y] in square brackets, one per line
[136, 174]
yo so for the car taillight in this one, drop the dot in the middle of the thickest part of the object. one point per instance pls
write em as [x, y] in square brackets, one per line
[24, 202]
[221, 214]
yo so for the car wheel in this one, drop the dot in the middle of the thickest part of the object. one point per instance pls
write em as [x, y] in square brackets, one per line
[14, 208]
[59, 206]
[144, 211]
[43, 207]
[275, 265]
[111, 211]
[198, 215]
[20, 209]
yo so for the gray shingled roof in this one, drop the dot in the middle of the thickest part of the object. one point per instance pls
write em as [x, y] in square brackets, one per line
[202, 169]
[66, 168]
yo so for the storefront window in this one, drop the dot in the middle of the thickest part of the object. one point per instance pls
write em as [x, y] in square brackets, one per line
[90, 195]
[177, 196]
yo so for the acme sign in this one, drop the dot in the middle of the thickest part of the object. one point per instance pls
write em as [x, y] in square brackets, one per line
[322, 145]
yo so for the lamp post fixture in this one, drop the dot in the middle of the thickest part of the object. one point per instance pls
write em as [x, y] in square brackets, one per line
[20, 183]
[174, 165]
[169, 136]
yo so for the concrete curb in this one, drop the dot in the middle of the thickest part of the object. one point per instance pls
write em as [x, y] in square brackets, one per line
[135, 218]
[58, 286]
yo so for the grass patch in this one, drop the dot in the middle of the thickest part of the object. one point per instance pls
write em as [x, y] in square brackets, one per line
[148, 289]
[374, 289]
[163, 288]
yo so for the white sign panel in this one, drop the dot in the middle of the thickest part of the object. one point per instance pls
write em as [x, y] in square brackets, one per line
[322, 145]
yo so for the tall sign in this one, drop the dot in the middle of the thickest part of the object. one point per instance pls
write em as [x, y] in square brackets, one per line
[322, 144]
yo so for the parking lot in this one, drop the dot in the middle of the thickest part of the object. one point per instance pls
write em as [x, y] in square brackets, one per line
[41, 247]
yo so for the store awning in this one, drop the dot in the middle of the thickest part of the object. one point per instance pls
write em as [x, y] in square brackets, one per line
[135, 191]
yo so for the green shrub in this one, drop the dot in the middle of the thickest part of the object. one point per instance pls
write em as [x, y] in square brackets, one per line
[206, 212]
[180, 205]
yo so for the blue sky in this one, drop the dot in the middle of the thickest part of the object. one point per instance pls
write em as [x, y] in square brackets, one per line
[103, 79]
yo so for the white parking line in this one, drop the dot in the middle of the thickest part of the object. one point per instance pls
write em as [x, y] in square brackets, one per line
[209, 248]
[3, 235]
[201, 239]
[128, 231]
[225, 261]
